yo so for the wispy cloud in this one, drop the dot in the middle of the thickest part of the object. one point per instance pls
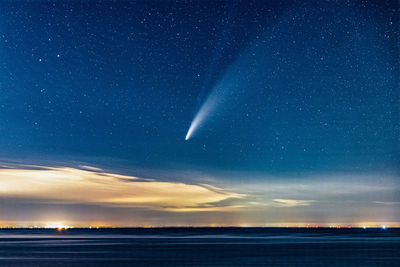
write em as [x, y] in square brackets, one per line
[292, 202]
[92, 185]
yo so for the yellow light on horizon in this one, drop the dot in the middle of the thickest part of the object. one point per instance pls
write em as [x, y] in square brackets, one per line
[57, 225]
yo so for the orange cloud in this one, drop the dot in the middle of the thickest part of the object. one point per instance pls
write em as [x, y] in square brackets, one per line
[92, 185]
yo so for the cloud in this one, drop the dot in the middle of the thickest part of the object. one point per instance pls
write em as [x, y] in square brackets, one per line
[292, 202]
[37, 194]
[327, 187]
[94, 186]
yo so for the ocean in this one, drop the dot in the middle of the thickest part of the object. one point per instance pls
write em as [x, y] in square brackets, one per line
[200, 247]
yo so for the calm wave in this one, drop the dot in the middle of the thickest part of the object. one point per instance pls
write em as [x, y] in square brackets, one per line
[200, 247]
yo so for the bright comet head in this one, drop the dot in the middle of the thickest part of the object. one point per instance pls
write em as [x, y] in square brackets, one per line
[189, 132]
[206, 109]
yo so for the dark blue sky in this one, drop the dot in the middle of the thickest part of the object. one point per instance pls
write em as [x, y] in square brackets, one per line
[297, 87]
[122, 80]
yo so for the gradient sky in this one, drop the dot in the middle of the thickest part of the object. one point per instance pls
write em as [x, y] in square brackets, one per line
[297, 107]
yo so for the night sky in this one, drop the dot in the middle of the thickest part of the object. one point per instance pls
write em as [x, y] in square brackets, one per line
[294, 107]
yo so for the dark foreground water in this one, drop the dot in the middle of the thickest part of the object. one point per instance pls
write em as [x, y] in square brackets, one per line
[200, 247]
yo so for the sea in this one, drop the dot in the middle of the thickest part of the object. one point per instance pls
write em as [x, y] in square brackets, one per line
[200, 247]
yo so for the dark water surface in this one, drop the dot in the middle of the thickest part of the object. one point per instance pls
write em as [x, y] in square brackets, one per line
[200, 247]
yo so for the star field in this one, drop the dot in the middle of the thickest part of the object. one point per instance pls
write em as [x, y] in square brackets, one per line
[295, 92]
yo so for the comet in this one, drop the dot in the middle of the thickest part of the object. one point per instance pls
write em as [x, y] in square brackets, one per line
[224, 95]
[254, 64]
[221, 96]
[208, 106]
[213, 97]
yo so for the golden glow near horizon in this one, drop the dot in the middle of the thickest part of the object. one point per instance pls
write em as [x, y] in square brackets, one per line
[71, 185]
[62, 197]
[61, 226]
